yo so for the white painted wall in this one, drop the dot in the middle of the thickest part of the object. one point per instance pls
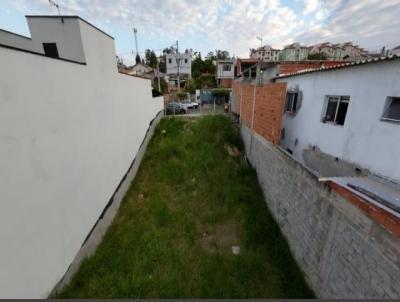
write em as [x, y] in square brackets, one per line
[68, 133]
[185, 66]
[225, 74]
[364, 139]
[14, 40]
[66, 35]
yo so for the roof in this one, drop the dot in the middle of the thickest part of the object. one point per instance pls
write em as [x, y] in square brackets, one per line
[247, 60]
[340, 66]
[69, 17]
[380, 191]
[15, 34]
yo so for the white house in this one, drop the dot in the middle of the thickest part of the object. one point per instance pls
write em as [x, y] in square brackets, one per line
[70, 127]
[138, 69]
[225, 73]
[350, 111]
[179, 63]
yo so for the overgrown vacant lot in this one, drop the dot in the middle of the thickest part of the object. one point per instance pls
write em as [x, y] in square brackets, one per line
[192, 200]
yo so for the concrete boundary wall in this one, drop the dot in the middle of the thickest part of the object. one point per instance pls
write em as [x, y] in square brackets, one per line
[96, 234]
[343, 252]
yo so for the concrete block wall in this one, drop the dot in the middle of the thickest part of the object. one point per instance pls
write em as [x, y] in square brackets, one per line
[343, 252]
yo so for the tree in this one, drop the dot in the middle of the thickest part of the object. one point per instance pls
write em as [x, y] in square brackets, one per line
[138, 59]
[320, 56]
[151, 58]
[221, 54]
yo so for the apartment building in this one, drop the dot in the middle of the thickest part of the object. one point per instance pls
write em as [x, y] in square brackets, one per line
[294, 52]
[265, 54]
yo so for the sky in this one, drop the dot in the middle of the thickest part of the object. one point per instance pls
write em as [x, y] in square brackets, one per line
[233, 25]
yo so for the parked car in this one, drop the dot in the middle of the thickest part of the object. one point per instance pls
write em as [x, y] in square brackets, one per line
[190, 105]
[175, 108]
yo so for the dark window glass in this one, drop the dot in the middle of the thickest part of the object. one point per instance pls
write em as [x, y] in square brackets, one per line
[169, 61]
[50, 50]
[341, 114]
[291, 102]
[336, 109]
[294, 107]
[331, 109]
[393, 109]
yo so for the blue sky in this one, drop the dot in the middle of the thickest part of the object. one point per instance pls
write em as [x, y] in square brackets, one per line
[224, 24]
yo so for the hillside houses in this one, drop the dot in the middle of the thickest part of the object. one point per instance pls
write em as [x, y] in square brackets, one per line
[296, 52]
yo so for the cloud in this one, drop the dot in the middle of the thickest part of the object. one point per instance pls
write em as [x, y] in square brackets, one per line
[310, 6]
[235, 24]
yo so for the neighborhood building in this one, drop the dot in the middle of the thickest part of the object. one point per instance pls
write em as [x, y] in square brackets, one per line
[225, 73]
[324, 142]
[349, 111]
[294, 52]
[265, 53]
[138, 69]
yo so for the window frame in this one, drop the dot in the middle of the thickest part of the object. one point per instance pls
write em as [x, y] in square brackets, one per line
[388, 103]
[339, 101]
[227, 67]
[294, 102]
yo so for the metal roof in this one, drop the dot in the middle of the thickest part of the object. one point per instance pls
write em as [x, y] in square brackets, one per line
[340, 66]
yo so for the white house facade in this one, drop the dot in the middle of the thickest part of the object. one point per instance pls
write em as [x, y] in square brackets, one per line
[179, 63]
[225, 69]
[350, 112]
[70, 127]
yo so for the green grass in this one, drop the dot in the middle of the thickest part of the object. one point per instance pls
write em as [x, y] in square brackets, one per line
[190, 202]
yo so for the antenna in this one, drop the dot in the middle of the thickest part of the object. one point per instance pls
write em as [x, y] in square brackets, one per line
[136, 44]
[51, 2]
[261, 40]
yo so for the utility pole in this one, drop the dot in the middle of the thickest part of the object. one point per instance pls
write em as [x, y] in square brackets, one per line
[158, 74]
[261, 40]
[136, 44]
[178, 62]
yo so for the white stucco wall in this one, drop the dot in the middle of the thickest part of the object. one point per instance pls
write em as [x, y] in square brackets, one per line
[184, 67]
[66, 35]
[68, 133]
[14, 40]
[364, 139]
[223, 74]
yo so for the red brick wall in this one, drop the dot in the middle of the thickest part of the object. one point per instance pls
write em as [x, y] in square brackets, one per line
[269, 104]
[225, 83]
[268, 107]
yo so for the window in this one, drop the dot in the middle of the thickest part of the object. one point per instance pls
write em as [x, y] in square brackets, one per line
[169, 61]
[291, 102]
[227, 67]
[336, 109]
[392, 109]
[50, 50]
[185, 60]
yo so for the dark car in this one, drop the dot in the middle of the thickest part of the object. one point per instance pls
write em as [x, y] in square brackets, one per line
[175, 108]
